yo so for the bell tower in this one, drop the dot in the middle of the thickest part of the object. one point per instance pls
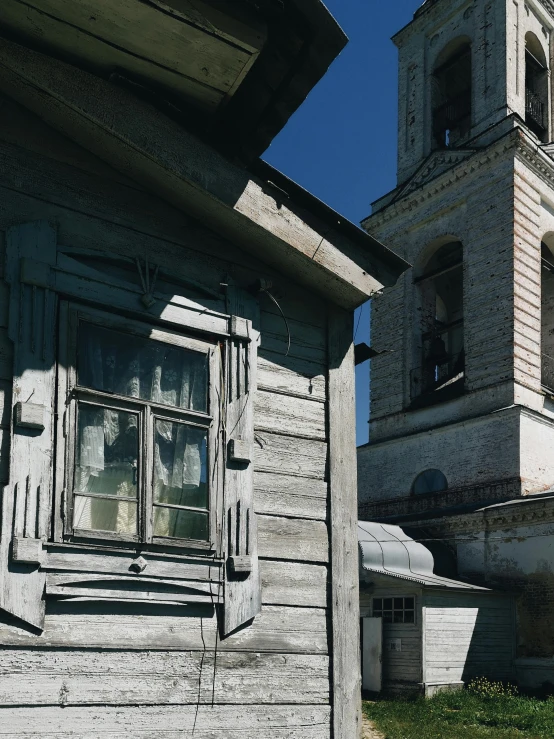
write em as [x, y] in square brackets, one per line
[462, 395]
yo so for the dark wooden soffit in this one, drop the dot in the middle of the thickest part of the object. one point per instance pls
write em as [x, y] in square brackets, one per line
[142, 143]
[236, 71]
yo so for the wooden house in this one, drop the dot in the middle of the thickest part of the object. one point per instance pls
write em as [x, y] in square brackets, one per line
[423, 632]
[178, 542]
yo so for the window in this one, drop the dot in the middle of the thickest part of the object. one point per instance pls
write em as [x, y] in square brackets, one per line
[429, 481]
[151, 425]
[451, 94]
[140, 433]
[440, 369]
[536, 87]
[395, 610]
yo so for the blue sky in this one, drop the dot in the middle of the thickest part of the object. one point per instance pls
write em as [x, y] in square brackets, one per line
[341, 144]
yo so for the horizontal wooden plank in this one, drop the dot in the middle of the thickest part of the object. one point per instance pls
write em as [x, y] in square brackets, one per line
[293, 538]
[73, 559]
[294, 416]
[137, 627]
[289, 456]
[291, 376]
[71, 678]
[295, 584]
[300, 497]
[152, 722]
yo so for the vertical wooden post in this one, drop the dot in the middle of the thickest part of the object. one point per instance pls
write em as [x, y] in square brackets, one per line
[345, 608]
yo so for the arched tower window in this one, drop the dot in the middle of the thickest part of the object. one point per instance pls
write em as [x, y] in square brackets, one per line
[441, 369]
[547, 313]
[451, 94]
[429, 481]
[536, 87]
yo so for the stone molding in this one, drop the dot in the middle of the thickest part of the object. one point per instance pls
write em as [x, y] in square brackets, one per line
[524, 511]
[432, 503]
[452, 176]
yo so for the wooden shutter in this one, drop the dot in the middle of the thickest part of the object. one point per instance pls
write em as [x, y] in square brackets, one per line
[242, 597]
[26, 500]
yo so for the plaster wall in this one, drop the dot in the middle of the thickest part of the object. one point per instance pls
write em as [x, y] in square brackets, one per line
[520, 559]
[469, 453]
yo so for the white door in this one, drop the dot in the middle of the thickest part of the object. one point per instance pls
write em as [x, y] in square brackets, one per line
[372, 654]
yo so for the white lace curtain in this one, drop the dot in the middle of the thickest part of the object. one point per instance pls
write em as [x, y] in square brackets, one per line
[107, 445]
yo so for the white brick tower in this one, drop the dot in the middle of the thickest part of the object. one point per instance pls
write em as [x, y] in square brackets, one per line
[462, 399]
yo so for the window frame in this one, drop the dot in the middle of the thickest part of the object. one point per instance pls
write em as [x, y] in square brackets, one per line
[378, 613]
[70, 394]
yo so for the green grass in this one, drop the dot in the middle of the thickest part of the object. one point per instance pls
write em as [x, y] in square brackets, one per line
[461, 715]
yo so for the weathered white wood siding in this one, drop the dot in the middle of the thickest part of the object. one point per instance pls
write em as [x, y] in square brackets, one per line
[164, 670]
[468, 636]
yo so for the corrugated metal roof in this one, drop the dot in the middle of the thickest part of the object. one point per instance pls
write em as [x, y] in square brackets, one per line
[387, 550]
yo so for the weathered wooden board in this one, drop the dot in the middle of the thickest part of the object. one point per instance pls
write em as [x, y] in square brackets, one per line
[290, 415]
[71, 678]
[293, 538]
[289, 456]
[72, 559]
[291, 376]
[295, 584]
[115, 626]
[38, 18]
[145, 722]
[301, 497]
[344, 529]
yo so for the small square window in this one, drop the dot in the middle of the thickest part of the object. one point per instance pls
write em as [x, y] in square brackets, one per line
[395, 610]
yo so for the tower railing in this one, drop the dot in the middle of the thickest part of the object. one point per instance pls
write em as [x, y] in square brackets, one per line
[440, 368]
[535, 109]
[453, 113]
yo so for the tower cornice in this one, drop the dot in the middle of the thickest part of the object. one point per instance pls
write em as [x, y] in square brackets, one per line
[517, 140]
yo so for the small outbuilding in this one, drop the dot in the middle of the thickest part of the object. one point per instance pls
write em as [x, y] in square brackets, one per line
[422, 632]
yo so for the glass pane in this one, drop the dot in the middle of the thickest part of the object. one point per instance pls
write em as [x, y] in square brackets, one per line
[399, 602]
[180, 464]
[387, 617]
[399, 617]
[409, 617]
[387, 603]
[377, 612]
[378, 603]
[180, 524]
[99, 514]
[107, 452]
[409, 603]
[142, 368]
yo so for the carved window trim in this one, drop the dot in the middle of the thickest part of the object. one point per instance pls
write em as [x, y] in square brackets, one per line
[70, 394]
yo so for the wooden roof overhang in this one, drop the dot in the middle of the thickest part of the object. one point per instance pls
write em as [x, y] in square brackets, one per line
[235, 70]
[263, 213]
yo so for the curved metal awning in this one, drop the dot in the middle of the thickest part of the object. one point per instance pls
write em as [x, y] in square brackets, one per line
[387, 550]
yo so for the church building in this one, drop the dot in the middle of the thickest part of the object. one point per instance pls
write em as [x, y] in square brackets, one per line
[461, 450]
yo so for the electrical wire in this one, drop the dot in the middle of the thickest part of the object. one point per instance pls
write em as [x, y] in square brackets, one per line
[266, 291]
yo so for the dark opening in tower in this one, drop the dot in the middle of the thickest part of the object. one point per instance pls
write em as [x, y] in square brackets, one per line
[441, 371]
[451, 94]
[547, 314]
[536, 87]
